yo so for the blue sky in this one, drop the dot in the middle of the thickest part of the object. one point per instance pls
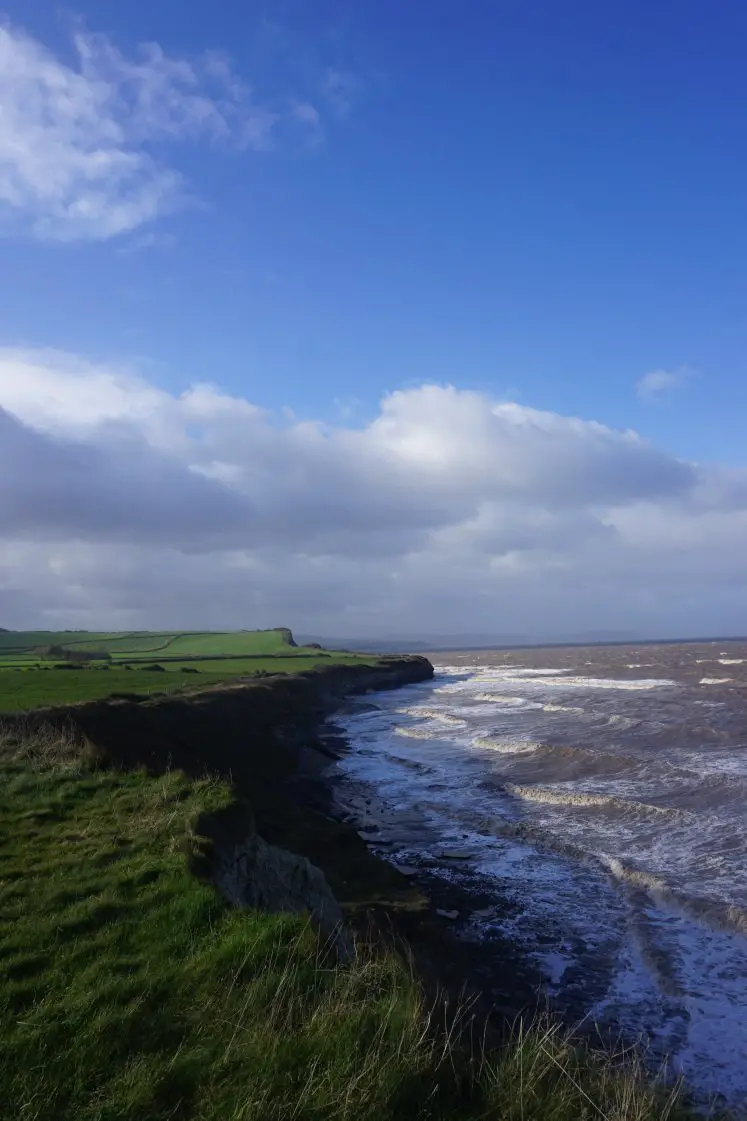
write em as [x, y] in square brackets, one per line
[534, 202]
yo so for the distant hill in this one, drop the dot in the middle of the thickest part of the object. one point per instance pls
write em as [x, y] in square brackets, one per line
[408, 644]
[439, 642]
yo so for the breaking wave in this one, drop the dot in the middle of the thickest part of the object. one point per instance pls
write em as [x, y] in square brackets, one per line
[579, 682]
[582, 798]
[542, 672]
[626, 723]
[431, 714]
[568, 762]
[506, 746]
[500, 699]
[413, 733]
[610, 810]
[716, 913]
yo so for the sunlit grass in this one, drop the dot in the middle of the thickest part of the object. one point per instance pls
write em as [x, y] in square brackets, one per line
[25, 688]
[129, 991]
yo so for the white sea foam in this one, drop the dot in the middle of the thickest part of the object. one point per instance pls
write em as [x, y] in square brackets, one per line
[616, 720]
[714, 680]
[526, 672]
[432, 714]
[577, 682]
[498, 699]
[413, 733]
[659, 931]
[505, 745]
[556, 797]
[731, 661]
[714, 912]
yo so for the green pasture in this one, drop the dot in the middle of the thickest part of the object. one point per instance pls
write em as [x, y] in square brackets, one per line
[187, 660]
[21, 690]
[185, 644]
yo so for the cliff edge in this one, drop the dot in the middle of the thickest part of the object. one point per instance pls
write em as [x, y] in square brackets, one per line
[252, 733]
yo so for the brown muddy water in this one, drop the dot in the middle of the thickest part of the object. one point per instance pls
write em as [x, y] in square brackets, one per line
[600, 795]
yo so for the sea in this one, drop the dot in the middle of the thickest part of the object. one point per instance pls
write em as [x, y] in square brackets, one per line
[598, 795]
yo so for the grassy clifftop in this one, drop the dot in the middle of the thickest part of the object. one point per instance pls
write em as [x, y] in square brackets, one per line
[40, 668]
[131, 992]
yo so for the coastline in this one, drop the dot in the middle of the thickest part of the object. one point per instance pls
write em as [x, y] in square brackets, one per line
[275, 740]
[621, 965]
[271, 747]
[431, 915]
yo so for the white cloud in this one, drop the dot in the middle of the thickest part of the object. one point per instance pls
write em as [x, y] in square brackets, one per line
[122, 504]
[658, 383]
[85, 147]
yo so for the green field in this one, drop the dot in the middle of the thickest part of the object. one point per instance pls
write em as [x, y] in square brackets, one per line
[26, 689]
[122, 643]
[29, 680]
[130, 992]
[186, 644]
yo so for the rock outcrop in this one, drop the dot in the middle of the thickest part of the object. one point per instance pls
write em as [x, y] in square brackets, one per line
[287, 635]
[226, 849]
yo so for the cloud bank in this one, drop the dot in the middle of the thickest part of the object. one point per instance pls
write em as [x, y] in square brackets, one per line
[122, 505]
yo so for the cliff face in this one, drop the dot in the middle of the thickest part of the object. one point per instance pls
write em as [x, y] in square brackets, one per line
[248, 729]
[226, 849]
[251, 733]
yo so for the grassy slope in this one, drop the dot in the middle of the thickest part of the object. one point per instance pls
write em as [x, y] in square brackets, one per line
[216, 656]
[130, 992]
[119, 644]
[25, 640]
[247, 642]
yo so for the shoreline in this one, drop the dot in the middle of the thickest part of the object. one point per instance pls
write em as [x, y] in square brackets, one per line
[490, 971]
[642, 984]
[276, 743]
[273, 739]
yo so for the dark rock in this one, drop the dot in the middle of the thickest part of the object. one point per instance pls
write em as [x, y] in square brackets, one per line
[249, 872]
